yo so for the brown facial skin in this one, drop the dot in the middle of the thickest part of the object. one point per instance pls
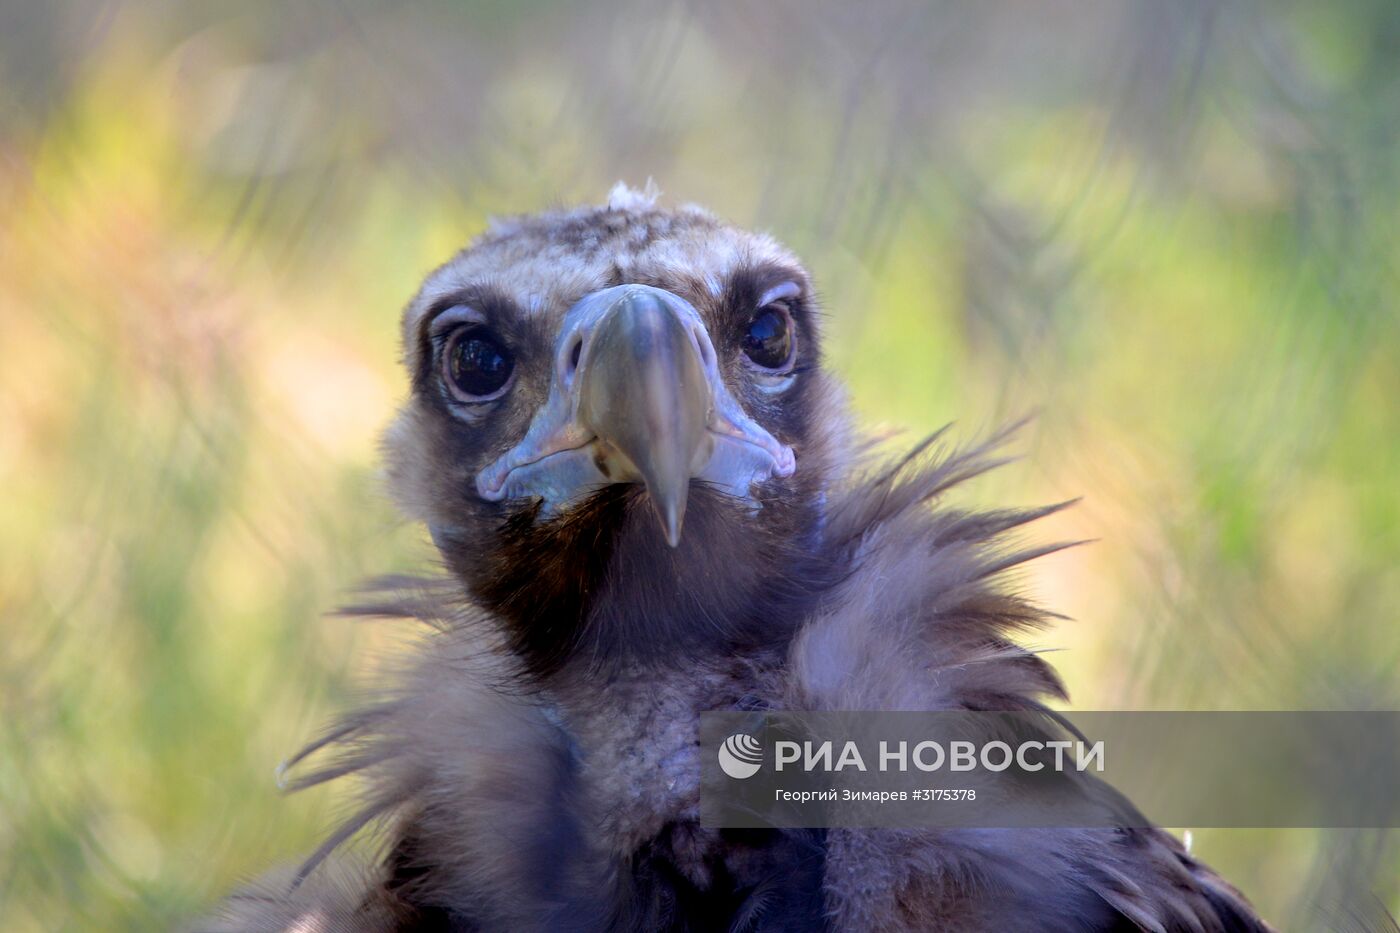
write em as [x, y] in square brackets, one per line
[597, 584]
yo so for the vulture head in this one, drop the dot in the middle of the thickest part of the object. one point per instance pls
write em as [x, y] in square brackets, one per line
[619, 430]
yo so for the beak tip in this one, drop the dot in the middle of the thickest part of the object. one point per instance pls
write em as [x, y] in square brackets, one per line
[671, 512]
[671, 526]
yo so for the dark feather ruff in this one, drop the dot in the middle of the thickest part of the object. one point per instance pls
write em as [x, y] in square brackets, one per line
[504, 769]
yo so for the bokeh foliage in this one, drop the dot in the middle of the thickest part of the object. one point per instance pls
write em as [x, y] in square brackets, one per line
[1171, 228]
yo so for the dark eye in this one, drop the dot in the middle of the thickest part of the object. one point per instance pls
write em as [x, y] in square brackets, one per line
[768, 340]
[475, 365]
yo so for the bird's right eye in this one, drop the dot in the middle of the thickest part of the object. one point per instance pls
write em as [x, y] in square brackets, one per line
[476, 365]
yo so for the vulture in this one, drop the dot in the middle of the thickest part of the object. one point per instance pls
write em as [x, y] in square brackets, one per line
[649, 503]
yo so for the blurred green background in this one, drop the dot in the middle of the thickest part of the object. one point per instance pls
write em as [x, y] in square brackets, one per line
[1171, 228]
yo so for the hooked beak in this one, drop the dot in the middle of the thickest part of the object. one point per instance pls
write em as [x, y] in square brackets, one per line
[636, 396]
[645, 395]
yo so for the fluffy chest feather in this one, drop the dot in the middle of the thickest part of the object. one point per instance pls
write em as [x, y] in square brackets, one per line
[638, 744]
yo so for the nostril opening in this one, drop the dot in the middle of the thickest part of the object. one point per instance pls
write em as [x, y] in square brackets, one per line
[575, 353]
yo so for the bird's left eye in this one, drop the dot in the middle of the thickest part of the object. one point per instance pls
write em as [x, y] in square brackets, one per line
[768, 340]
[476, 366]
